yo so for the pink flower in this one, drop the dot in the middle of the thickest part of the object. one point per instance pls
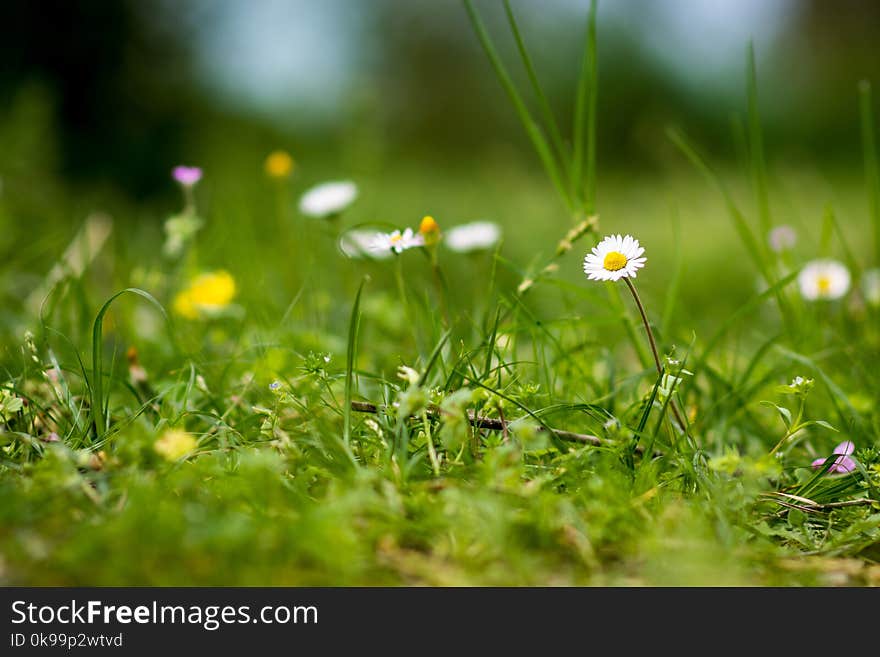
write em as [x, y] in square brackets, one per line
[186, 176]
[843, 463]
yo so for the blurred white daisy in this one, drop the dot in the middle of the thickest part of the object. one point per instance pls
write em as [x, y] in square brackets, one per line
[328, 198]
[475, 236]
[823, 279]
[359, 244]
[396, 242]
[614, 258]
[782, 238]
[871, 287]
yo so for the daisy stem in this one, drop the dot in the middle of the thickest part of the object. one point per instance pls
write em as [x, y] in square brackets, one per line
[672, 405]
[632, 288]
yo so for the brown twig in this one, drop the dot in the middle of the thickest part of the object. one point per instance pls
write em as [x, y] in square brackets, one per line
[504, 433]
[492, 423]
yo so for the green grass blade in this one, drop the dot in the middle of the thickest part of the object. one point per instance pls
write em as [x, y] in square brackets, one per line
[872, 169]
[543, 104]
[558, 443]
[672, 293]
[351, 352]
[490, 346]
[435, 354]
[532, 129]
[592, 112]
[830, 218]
[99, 425]
[585, 120]
[756, 145]
[754, 246]
[746, 308]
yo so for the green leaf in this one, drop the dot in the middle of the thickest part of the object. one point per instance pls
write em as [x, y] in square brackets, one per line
[783, 412]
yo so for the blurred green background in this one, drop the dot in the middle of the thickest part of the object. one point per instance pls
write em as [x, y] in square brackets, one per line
[131, 87]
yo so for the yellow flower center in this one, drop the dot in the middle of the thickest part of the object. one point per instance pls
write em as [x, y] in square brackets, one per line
[396, 238]
[614, 261]
[428, 225]
[824, 284]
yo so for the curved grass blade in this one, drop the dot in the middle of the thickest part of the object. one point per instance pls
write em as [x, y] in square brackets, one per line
[543, 104]
[99, 426]
[587, 86]
[872, 169]
[750, 305]
[756, 145]
[532, 129]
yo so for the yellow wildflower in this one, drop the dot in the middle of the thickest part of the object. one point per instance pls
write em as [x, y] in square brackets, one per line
[175, 444]
[206, 294]
[430, 230]
[278, 164]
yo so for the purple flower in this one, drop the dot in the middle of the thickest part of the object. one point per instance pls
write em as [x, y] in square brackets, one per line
[843, 463]
[186, 176]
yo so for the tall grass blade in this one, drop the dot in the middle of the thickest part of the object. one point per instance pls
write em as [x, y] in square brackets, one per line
[99, 425]
[754, 246]
[351, 352]
[585, 120]
[756, 145]
[543, 104]
[872, 169]
[435, 354]
[532, 129]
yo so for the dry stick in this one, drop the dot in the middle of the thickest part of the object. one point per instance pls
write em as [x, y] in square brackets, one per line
[490, 423]
[650, 333]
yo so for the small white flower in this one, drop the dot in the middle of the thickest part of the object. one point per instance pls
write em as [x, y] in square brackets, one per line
[474, 236]
[408, 374]
[328, 198]
[823, 279]
[871, 286]
[396, 242]
[782, 238]
[800, 385]
[614, 258]
[359, 243]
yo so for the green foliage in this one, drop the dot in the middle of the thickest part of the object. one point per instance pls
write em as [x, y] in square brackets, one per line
[321, 431]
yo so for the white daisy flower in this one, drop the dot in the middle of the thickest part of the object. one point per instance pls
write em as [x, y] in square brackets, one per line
[823, 279]
[475, 236]
[396, 242]
[359, 243]
[328, 198]
[871, 287]
[782, 238]
[614, 258]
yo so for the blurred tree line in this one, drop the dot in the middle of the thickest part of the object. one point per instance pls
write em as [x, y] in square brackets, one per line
[119, 77]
